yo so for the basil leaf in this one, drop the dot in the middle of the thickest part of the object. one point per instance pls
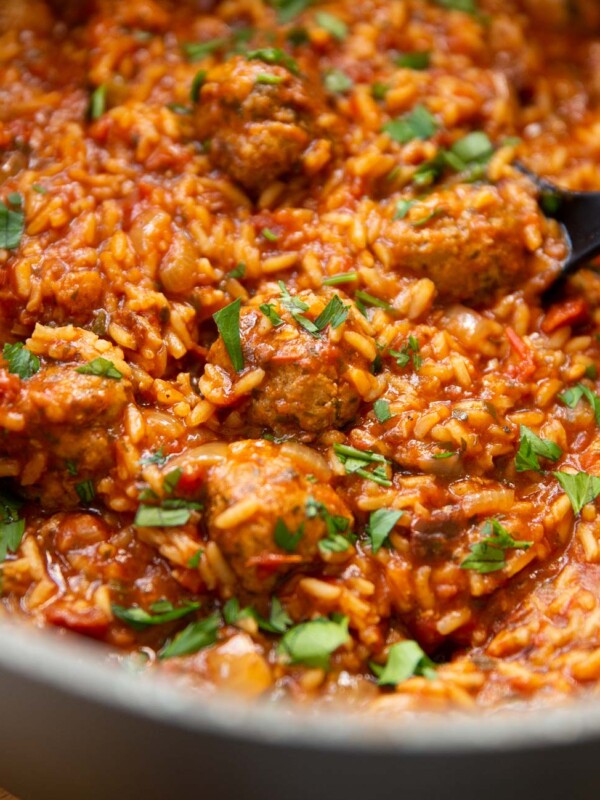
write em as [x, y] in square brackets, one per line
[139, 619]
[285, 539]
[405, 659]
[419, 124]
[382, 410]
[101, 367]
[228, 324]
[381, 524]
[20, 360]
[488, 555]
[195, 637]
[312, 643]
[530, 447]
[580, 488]
[12, 226]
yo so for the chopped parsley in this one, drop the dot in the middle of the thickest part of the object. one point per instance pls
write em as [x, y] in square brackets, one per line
[337, 82]
[371, 300]
[334, 314]
[86, 491]
[404, 660]
[268, 309]
[97, 105]
[332, 24]
[38, 189]
[343, 277]
[197, 85]
[238, 271]
[71, 467]
[416, 61]
[409, 351]
[530, 447]
[269, 235]
[20, 360]
[466, 6]
[285, 539]
[288, 9]
[179, 108]
[265, 79]
[274, 55]
[580, 488]
[295, 306]
[196, 51]
[194, 561]
[279, 620]
[228, 324]
[163, 611]
[168, 515]
[312, 643]
[571, 398]
[12, 527]
[474, 146]
[382, 410]
[381, 524]
[402, 208]
[195, 637]
[159, 458]
[355, 462]
[489, 554]
[102, 368]
[338, 539]
[171, 480]
[12, 224]
[418, 124]
[379, 90]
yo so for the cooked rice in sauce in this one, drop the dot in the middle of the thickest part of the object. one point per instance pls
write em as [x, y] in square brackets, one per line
[350, 492]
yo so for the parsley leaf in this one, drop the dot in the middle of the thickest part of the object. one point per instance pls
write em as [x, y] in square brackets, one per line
[12, 527]
[402, 208]
[196, 636]
[194, 561]
[417, 60]
[268, 309]
[20, 360]
[101, 367]
[410, 351]
[572, 396]
[159, 458]
[334, 314]
[467, 6]
[488, 555]
[274, 55]
[337, 82]
[332, 24]
[228, 324]
[86, 491]
[311, 643]
[164, 516]
[382, 410]
[355, 461]
[581, 488]
[419, 124]
[381, 524]
[284, 538]
[288, 9]
[12, 225]
[238, 271]
[278, 621]
[196, 51]
[530, 447]
[405, 659]
[197, 85]
[97, 105]
[171, 480]
[139, 619]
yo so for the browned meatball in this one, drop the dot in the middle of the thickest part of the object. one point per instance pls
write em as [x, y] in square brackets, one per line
[259, 118]
[469, 240]
[309, 382]
[267, 516]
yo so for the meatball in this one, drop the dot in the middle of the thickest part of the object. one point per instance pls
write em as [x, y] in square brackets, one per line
[267, 516]
[470, 241]
[259, 119]
[311, 382]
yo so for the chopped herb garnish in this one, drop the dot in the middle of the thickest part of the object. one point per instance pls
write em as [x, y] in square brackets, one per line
[489, 554]
[171, 480]
[38, 189]
[179, 108]
[86, 491]
[381, 524]
[20, 360]
[194, 561]
[379, 90]
[402, 208]
[591, 372]
[195, 637]
[228, 324]
[238, 271]
[101, 367]
[312, 643]
[97, 105]
[405, 659]
[467, 6]
[419, 223]
[294, 305]
[12, 225]
[197, 85]
[530, 447]
[278, 621]
[444, 454]
[409, 351]
[580, 488]
[163, 516]
[139, 619]
[355, 462]
[268, 309]
[572, 396]
[284, 538]
[332, 24]
[338, 538]
[12, 527]
[269, 80]
[274, 55]
[344, 277]
[159, 458]
[337, 82]
[269, 235]
[473, 147]
[371, 300]
[71, 467]
[196, 51]
[419, 124]
[413, 60]
[382, 410]
[334, 314]
[288, 9]
[298, 36]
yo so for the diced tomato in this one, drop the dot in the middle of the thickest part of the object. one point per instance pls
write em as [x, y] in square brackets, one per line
[526, 366]
[268, 563]
[569, 312]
